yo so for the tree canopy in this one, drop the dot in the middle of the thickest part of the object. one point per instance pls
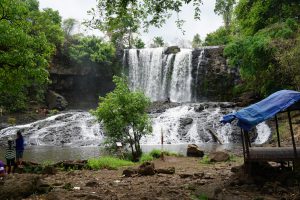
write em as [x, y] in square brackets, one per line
[124, 116]
[28, 39]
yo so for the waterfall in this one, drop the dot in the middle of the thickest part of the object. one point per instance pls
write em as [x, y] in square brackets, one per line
[181, 77]
[160, 75]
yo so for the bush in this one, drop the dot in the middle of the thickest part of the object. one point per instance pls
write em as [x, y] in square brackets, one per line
[146, 157]
[205, 160]
[108, 163]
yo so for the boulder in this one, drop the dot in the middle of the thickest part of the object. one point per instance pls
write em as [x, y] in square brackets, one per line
[218, 156]
[129, 172]
[185, 121]
[172, 49]
[56, 101]
[194, 151]
[21, 186]
[170, 170]
[146, 169]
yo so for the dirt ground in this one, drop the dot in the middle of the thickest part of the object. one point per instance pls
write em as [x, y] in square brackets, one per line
[192, 180]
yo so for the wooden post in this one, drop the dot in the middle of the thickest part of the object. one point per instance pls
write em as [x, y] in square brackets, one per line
[277, 130]
[292, 134]
[243, 142]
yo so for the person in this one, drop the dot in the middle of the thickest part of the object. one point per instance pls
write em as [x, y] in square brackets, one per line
[19, 148]
[10, 156]
[2, 169]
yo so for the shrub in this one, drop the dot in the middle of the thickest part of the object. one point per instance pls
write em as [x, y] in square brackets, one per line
[107, 162]
[146, 157]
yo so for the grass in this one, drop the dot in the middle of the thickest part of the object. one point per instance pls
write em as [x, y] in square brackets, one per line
[156, 153]
[107, 162]
[205, 160]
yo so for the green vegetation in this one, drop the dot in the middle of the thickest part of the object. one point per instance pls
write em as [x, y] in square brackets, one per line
[107, 163]
[262, 41]
[205, 160]
[157, 42]
[124, 116]
[197, 42]
[156, 153]
[28, 40]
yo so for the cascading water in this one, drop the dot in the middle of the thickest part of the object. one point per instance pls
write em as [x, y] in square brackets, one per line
[181, 77]
[159, 75]
[71, 128]
[189, 123]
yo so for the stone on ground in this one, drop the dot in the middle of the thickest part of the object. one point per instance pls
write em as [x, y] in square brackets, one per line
[194, 151]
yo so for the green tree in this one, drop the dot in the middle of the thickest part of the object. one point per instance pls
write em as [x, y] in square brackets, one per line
[197, 42]
[121, 18]
[138, 43]
[225, 8]
[124, 116]
[92, 49]
[157, 42]
[221, 36]
[28, 39]
[68, 27]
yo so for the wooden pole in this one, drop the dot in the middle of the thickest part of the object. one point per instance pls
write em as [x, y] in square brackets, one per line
[277, 130]
[292, 134]
[243, 142]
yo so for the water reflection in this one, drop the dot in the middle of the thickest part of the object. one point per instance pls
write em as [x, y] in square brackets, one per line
[54, 153]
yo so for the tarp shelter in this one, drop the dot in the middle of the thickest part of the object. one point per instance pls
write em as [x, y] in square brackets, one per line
[281, 101]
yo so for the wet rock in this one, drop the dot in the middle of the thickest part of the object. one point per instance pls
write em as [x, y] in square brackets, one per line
[218, 156]
[172, 49]
[185, 121]
[56, 101]
[129, 172]
[170, 170]
[194, 151]
[146, 169]
[4, 125]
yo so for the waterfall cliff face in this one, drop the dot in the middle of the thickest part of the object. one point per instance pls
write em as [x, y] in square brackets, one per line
[184, 76]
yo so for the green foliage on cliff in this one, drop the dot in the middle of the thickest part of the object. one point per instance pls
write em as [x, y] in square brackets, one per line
[28, 39]
[262, 41]
[91, 48]
[124, 116]
[221, 36]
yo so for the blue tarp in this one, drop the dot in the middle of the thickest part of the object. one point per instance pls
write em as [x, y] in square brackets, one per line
[265, 109]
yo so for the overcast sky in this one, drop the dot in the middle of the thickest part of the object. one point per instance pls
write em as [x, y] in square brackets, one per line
[209, 20]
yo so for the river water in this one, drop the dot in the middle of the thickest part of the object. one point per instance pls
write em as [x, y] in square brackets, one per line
[43, 154]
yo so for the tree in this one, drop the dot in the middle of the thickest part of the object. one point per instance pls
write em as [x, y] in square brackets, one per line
[197, 42]
[68, 27]
[121, 18]
[221, 36]
[28, 39]
[225, 8]
[138, 43]
[91, 49]
[124, 116]
[157, 42]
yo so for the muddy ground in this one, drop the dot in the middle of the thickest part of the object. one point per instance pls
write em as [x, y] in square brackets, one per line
[192, 180]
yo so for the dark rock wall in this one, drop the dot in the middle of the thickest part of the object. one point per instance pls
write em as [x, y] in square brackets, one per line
[212, 78]
[81, 86]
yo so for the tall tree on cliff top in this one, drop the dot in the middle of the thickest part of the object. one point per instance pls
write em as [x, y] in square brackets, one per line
[157, 42]
[124, 116]
[197, 42]
[121, 18]
[225, 8]
[28, 39]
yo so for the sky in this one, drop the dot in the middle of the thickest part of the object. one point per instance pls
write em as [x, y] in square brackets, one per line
[209, 20]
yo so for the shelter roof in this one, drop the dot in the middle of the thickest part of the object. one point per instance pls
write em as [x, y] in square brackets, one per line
[265, 109]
